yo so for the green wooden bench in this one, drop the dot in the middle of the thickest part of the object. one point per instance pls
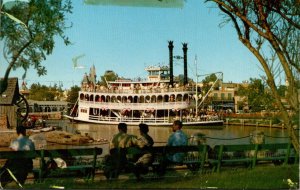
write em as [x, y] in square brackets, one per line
[18, 154]
[251, 154]
[194, 159]
[79, 161]
[279, 153]
[86, 169]
[232, 154]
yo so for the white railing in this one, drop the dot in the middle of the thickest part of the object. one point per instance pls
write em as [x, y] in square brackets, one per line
[128, 119]
[141, 91]
[136, 106]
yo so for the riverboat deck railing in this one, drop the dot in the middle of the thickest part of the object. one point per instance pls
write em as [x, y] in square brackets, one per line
[129, 119]
[139, 91]
[150, 119]
[137, 106]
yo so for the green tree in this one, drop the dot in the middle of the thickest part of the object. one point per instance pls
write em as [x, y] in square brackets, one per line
[180, 79]
[281, 90]
[208, 82]
[57, 91]
[44, 93]
[108, 76]
[72, 95]
[258, 94]
[28, 33]
[271, 32]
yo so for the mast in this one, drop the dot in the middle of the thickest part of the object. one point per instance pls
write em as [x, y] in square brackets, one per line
[196, 87]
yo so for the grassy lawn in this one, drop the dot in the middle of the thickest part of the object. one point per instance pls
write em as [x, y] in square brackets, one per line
[262, 177]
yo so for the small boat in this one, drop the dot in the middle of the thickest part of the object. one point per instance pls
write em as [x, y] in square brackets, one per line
[156, 101]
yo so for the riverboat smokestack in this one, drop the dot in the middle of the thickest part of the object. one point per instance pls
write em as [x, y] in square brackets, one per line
[171, 62]
[185, 74]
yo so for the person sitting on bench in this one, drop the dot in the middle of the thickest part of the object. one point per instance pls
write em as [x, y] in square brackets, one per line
[177, 138]
[116, 161]
[145, 159]
[18, 168]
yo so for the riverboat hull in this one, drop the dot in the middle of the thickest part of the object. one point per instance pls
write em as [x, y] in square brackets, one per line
[215, 123]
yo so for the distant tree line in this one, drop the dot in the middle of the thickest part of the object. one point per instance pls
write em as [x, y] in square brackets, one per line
[52, 93]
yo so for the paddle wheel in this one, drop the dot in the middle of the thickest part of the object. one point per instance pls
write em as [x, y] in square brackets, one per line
[22, 108]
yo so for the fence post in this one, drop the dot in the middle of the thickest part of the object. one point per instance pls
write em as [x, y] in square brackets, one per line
[203, 155]
[94, 163]
[220, 155]
[287, 154]
[255, 156]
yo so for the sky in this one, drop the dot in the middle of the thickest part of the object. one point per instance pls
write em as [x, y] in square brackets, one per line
[126, 39]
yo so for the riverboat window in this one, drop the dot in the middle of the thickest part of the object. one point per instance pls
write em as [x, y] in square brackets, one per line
[119, 99]
[83, 110]
[129, 100]
[147, 99]
[81, 96]
[222, 96]
[142, 99]
[97, 98]
[94, 111]
[87, 97]
[172, 98]
[47, 109]
[91, 97]
[186, 97]
[179, 97]
[153, 72]
[166, 98]
[153, 99]
[135, 99]
[124, 99]
[215, 96]
[159, 98]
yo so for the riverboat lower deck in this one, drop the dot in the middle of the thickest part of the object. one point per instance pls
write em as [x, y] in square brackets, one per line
[149, 121]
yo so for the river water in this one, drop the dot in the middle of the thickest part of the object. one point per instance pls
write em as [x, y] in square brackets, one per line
[230, 134]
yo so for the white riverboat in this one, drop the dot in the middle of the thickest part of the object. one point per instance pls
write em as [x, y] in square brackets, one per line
[154, 101]
[150, 101]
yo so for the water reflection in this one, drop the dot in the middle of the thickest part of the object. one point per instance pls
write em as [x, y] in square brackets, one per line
[227, 135]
